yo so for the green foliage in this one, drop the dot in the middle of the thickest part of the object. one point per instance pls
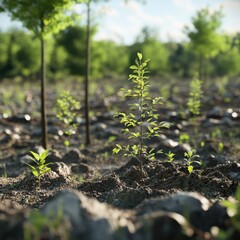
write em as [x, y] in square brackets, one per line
[195, 96]
[190, 159]
[227, 62]
[206, 41]
[4, 39]
[39, 226]
[184, 138]
[31, 13]
[143, 113]
[170, 155]
[58, 62]
[204, 36]
[73, 40]
[40, 168]
[183, 60]
[20, 53]
[106, 60]
[220, 147]
[149, 44]
[66, 112]
[216, 133]
[233, 210]
[26, 56]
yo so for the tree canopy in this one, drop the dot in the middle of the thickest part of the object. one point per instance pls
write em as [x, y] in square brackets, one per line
[205, 36]
[32, 13]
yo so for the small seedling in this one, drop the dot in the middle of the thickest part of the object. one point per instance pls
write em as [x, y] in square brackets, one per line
[41, 167]
[67, 108]
[190, 159]
[4, 175]
[170, 155]
[202, 144]
[142, 121]
[220, 147]
[233, 210]
[51, 226]
[195, 96]
[184, 138]
[216, 134]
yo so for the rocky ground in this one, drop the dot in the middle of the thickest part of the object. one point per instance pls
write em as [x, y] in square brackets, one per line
[108, 196]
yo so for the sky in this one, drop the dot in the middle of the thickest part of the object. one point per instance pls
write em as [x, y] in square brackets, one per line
[122, 21]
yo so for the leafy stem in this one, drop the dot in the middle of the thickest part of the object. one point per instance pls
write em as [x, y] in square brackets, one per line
[40, 166]
[142, 113]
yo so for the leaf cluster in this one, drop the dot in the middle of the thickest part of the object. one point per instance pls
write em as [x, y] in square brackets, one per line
[170, 155]
[233, 209]
[66, 111]
[195, 96]
[205, 37]
[33, 13]
[40, 167]
[190, 159]
[50, 226]
[141, 122]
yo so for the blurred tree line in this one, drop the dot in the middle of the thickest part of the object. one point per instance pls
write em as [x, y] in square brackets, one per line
[65, 52]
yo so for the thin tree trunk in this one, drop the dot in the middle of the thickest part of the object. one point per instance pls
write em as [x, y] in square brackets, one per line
[88, 138]
[9, 63]
[201, 68]
[206, 72]
[43, 94]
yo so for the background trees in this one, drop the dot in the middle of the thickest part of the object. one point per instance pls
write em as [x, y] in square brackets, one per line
[65, 52]
[148, 43]
[43, 18]
[205, 37]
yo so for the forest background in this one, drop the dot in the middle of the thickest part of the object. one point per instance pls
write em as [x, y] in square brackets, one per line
[205, 45]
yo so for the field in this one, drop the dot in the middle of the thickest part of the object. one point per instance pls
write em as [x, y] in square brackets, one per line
[213, 137]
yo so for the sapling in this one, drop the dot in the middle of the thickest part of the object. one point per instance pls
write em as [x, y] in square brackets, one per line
[195, 96]
[184, 138]
[52, 225]
[141, 123]
[170, 155]
[190, 157]
[66, 112]
[220, 147]
[40, 168]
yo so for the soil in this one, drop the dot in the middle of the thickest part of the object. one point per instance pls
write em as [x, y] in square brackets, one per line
[214, 134]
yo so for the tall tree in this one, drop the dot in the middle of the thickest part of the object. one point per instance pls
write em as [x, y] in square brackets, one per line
[205, 37]
[44, 17]
[88, 61]
[87, 69]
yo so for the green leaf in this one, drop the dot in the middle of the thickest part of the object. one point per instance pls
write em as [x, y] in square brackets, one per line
[133, 67]
[228, 204]
[44, 154]
[139, 56]
[35, 155]
[151, 150]
[31, 167]
[35, 173]
[119, 146]
[45, 171]
[116, 150]
[190, 169]
[160, 151]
